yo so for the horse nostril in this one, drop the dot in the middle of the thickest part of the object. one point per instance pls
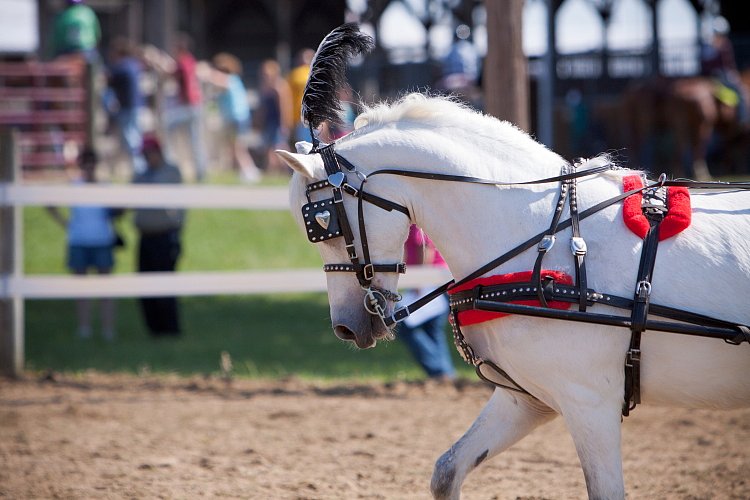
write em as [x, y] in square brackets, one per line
[343, 333]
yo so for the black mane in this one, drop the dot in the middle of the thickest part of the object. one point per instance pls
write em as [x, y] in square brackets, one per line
[320, 100]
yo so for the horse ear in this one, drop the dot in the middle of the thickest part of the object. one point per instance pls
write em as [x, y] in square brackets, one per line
[303, 164]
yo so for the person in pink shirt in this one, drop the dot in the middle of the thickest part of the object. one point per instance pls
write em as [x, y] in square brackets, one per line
[424, 331]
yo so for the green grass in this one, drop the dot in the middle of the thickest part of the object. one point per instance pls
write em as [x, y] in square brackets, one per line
[265, 335]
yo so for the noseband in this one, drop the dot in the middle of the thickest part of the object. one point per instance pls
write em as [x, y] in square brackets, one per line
[326, 219]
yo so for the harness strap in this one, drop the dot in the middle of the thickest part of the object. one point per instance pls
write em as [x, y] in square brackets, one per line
[467, 352]
[479, 180]
[654, 205]
[548, 240]
[638, 320]
[578, 246]
[495, 298]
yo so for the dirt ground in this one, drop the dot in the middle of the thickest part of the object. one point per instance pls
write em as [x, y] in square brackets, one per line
[104, 436]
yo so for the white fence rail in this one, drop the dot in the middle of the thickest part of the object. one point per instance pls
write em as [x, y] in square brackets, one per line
[15, 287]
[131, 196]
[193, 283]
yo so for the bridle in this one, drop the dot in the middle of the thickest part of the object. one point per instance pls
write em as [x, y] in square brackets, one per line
[321, 225]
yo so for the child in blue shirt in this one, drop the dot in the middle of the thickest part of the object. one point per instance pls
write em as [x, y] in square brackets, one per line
[90, 244]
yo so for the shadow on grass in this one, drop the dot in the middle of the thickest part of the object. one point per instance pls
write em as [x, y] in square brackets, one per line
[266, 336]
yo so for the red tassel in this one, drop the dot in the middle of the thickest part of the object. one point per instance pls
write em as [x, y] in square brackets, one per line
[678, 204]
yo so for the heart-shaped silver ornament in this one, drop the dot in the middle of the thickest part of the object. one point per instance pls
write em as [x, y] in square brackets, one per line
[337, 179]
[323, 218]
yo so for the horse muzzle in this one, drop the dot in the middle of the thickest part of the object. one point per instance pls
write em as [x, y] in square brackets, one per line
[362, 328]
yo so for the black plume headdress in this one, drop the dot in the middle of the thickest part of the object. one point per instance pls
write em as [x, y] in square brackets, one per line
[320, 101]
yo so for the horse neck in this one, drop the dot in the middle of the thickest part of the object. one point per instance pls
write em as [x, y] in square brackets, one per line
[469, 223]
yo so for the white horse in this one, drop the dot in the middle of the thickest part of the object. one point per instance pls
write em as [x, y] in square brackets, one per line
[571, 369]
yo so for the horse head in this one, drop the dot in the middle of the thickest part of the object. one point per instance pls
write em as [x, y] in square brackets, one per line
[358, 309]
[355, 238]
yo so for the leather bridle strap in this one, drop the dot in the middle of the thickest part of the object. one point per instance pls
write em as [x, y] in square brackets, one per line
[399, 268]
[364, 271]
[363, 232]
[368, 197]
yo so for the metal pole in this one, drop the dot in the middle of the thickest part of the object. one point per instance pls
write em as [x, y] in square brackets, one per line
[11, 262]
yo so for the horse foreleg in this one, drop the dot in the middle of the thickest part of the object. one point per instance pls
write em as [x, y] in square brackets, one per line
[596, 434]
[506, 418]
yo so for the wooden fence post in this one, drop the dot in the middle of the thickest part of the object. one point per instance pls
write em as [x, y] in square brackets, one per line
[11, 262]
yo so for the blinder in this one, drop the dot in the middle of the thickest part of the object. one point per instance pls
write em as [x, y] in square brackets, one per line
[321, 220]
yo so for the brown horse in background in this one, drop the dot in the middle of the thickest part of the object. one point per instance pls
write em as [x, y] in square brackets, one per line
[671, 123]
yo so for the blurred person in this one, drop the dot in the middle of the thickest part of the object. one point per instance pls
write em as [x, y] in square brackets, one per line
[423, 332]
[185, 108]
[77, 31]
[76, 34]
[274, 114]
[124, 83]
[461, 68]
[297, 81]
[159, 244]
[91, 238]
[235, 110]
[718, 61]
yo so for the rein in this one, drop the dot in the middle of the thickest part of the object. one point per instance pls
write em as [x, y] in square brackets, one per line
[321, 225]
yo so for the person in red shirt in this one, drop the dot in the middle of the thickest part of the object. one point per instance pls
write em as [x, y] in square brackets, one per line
[183, 108]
